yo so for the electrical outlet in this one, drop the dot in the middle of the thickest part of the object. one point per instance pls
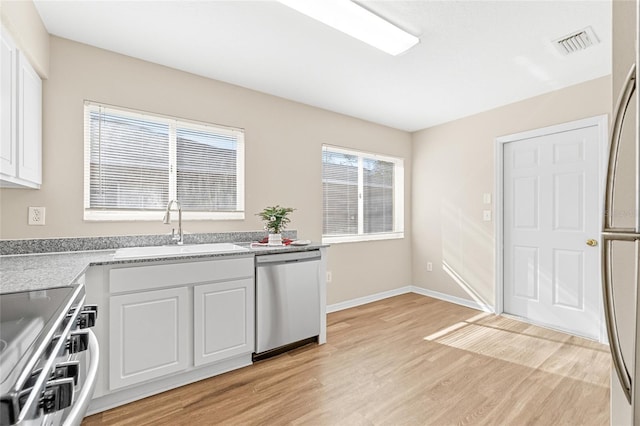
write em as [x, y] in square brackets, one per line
[329, 276]
[429, 266]
[36, 216]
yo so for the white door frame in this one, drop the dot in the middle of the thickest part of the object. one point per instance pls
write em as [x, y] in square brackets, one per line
[601, 121]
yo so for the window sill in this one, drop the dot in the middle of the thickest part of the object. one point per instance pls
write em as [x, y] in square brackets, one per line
[338, 239]
[152, 216]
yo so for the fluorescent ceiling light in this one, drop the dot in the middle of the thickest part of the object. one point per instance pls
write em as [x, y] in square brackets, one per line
[358, 22]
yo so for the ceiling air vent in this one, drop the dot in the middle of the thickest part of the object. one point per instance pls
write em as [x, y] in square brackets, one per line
[576, 41]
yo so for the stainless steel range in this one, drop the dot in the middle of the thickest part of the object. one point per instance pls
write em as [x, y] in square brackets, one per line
[48, 357]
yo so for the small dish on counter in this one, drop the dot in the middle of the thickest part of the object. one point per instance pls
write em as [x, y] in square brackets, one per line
[268, 246]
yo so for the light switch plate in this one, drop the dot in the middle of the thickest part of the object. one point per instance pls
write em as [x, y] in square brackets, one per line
[486, 215]
[36, 216]
[486, 198]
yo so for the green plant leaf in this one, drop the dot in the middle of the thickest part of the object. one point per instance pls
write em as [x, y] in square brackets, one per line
[275, 218]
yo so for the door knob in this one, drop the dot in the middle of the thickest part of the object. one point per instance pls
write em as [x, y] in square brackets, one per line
[592, 243]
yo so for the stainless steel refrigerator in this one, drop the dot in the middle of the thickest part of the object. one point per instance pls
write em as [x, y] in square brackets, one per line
[621, 231]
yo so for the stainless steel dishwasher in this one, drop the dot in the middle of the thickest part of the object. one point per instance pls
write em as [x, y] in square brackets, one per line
[287, 300]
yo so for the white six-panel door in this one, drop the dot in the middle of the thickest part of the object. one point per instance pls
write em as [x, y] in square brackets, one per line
[551, 202]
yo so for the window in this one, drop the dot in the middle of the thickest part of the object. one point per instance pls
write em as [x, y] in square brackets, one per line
[135, 163]
[363, 196]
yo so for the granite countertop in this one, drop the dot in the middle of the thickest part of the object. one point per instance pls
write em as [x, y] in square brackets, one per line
[39, 271]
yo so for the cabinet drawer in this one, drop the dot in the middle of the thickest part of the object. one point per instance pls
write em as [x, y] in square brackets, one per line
[138, 278]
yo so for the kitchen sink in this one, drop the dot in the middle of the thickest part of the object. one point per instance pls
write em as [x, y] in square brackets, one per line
[176, 250]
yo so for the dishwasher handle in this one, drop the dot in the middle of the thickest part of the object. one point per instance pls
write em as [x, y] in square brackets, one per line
[281, 258]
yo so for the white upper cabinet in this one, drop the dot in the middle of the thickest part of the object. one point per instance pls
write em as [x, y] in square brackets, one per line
[8, 131]
[21, 119]
[29, 122]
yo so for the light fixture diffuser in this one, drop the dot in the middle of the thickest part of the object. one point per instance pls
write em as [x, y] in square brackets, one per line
[358, 22]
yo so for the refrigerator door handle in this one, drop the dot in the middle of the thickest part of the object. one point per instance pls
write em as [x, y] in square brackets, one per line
[610, 234]
[618, 120]
[609, 313]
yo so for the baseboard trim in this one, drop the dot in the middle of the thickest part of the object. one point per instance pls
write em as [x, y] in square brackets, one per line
[367, 299]
[453, 299]
[403, 290]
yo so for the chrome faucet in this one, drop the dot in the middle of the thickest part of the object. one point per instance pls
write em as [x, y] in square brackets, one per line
[167, 220]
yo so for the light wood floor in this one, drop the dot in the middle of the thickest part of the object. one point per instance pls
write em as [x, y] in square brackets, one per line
[407, 360]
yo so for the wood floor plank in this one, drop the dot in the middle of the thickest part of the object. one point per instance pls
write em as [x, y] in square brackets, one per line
[406, 360]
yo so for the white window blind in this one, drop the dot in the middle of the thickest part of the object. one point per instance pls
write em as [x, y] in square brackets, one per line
[378, 196]
[206, 170]
[136, 162]
[340, 193]
[363, 196]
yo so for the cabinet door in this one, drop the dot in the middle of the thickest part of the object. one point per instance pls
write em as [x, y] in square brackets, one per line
[148, 335]
[29, 122]
[8, 156]
[223, 320]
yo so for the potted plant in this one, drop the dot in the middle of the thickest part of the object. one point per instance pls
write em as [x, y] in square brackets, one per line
[276, 221]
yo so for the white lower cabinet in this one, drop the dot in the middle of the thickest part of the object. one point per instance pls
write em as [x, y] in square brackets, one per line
[223, 320]
[169, 323]
[148, 335]
[165, 324]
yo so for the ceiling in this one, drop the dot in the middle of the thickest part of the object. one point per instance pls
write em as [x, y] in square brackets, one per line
[473, 55]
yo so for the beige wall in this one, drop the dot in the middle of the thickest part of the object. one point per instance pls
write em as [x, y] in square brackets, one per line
[453, 165]
[23, 21]
[623, 34]
[283, 142]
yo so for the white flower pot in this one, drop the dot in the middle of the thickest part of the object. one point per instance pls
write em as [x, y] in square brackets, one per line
[275, 239]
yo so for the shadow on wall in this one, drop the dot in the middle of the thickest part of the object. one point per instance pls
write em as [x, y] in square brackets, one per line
[467, 255]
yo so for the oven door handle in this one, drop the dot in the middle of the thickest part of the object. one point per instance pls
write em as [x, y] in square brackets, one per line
[80, 406]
